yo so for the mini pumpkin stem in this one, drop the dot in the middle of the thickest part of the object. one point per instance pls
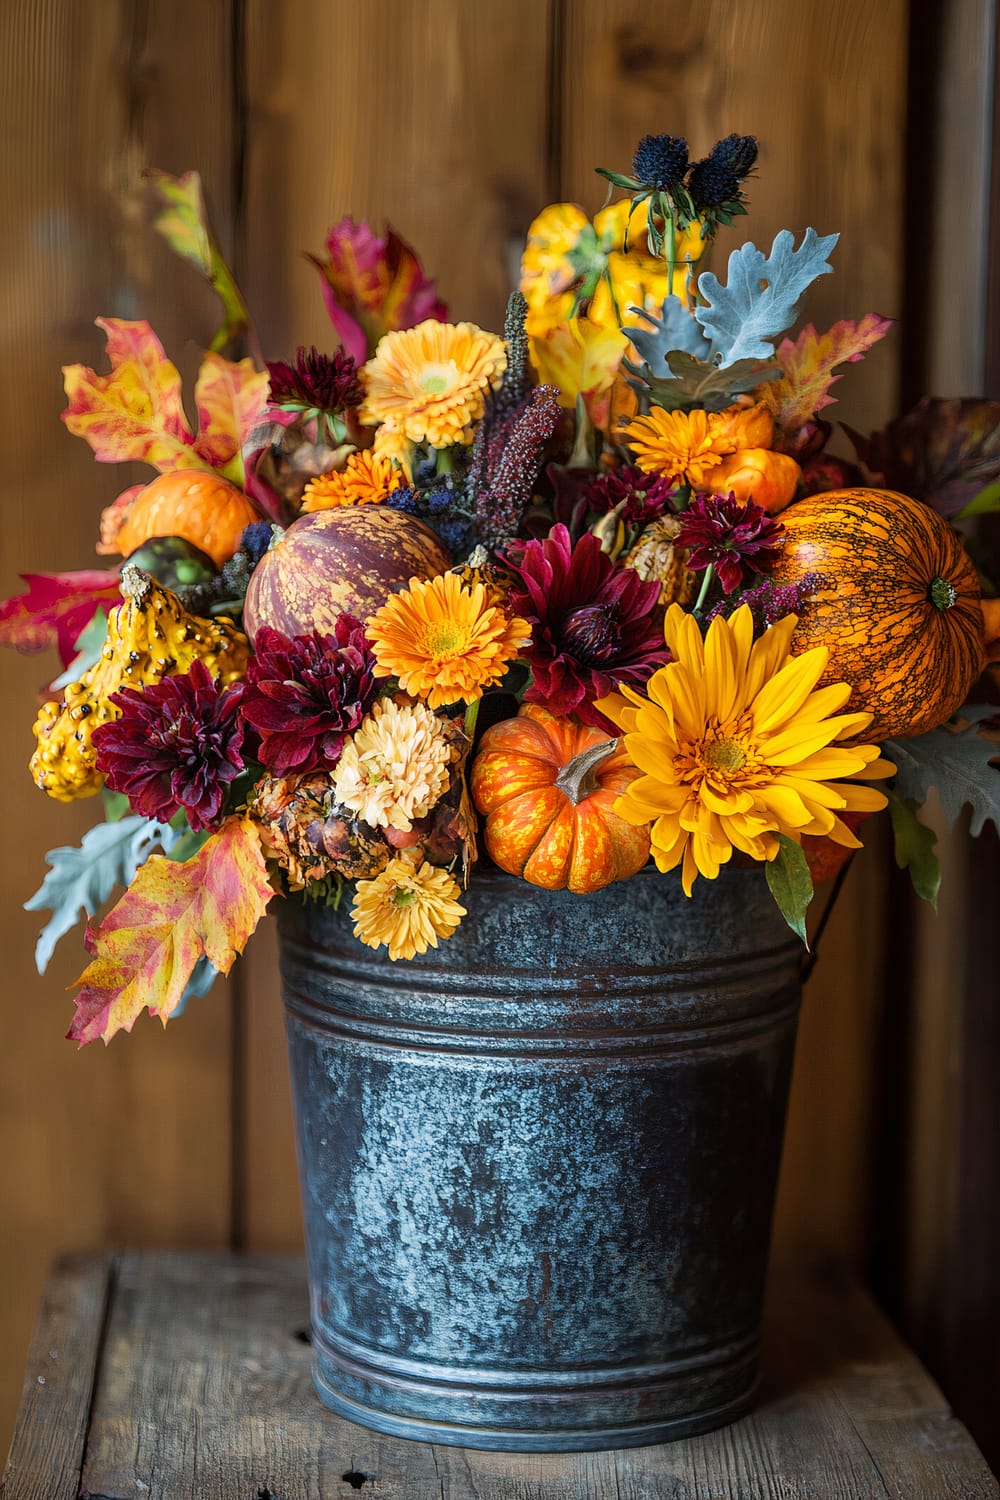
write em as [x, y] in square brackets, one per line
[578, 777]
[135, 584]
[942, 594]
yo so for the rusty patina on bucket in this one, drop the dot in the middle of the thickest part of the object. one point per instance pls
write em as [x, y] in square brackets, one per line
[538, 1165]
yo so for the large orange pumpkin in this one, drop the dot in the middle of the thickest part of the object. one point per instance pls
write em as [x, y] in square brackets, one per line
[898, 607]
[345, 560]
[547, 788]
[203, 508]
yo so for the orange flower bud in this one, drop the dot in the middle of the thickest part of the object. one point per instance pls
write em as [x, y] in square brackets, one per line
[769, 479]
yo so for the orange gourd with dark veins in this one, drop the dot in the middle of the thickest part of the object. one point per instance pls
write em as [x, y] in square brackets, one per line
[898, 607]
[547, 788]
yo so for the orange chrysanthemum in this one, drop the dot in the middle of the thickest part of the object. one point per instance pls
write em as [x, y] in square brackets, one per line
[681, 445]
[428, 384]
[366, 478]
[444, 640]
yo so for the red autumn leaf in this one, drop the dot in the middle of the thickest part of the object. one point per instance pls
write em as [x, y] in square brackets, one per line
[146, 948]
[808, 365]
[135, 411]
[373, 285]
[56, 608]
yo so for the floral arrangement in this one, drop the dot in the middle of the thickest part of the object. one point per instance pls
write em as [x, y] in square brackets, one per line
[586, 595]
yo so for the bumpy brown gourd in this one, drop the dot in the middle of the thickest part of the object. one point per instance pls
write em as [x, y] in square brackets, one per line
[150, 636]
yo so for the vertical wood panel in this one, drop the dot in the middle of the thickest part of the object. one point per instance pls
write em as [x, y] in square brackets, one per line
[823, 87]
[129, 1144]
[431, 114]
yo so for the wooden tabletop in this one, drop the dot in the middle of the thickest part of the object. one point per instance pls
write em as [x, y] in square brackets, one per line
[185, 1376]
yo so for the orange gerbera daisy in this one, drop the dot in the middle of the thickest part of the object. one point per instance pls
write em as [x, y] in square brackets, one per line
[444, 640]
[681, 445]
[366, 478]
[429, 383]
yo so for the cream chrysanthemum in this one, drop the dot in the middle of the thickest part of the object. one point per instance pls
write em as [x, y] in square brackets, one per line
[408, 906]
[396, 767]
[365, 479]
[444, 639]
[428, 384]
[736, 747]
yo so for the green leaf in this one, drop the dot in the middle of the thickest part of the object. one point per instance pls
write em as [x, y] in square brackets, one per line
[983, 504]
[89, 645]
[791, 884]
[186, 845]
[914, 848]
[81, 880]
[761, 296]
[115, 805]
[701, 385]
[957, 763]
[183, 223]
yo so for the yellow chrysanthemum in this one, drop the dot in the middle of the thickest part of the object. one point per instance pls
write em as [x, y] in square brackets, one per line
[408, 907]
[365, 479]
[736, 747]
[396, 768]
[429, 383]
[444, 639]
[682, 445]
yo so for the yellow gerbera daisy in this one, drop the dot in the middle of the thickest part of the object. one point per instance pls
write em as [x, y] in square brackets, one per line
[408, 906]
[682, 445]
[736, 747]
[428, 383]
[444, 639]
[397, 766]
[366, 478]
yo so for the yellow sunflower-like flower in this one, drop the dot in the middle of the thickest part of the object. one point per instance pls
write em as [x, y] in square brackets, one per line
[428, 384]
[444, 639]
[408, 907]
[365, 479]
[736, 745]
[396, 768]
[681, 445]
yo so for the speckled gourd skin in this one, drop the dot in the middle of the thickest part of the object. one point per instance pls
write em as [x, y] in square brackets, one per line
[909, 663]
[347, 559]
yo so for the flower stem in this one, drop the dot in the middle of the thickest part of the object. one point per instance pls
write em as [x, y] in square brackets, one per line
[471, 715]
[706, 584]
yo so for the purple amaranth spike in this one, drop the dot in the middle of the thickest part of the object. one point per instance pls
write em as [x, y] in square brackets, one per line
[513, 461]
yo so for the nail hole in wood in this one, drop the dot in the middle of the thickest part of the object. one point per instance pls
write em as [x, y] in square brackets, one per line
[304, 1335]
[356, 1479]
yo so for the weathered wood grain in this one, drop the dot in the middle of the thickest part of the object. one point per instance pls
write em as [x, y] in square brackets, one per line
[47, 1450]
[132, 1143]
[204, 1390]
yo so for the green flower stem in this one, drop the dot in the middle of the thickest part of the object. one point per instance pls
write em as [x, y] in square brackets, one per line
[670, 240]
[471, 715]
[445, 460]
[706, 584]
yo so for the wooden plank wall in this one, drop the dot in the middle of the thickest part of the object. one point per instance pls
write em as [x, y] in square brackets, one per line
[457, 118]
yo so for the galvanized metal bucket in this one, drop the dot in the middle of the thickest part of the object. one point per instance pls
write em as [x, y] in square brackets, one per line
[538, 1165]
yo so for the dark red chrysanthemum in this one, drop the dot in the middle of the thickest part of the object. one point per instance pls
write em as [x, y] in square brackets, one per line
[176, 745]
[307, 694]
[643, 497]
[316, 382]
[736, 540]
[593, 624]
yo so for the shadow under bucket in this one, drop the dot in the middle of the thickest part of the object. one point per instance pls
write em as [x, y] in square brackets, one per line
[538, 1164]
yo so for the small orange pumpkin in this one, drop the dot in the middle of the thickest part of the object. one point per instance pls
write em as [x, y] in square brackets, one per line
[547, 788]
[203, 508]
[898, 608]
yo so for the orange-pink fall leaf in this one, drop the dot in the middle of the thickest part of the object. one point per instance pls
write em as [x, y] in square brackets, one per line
[145, 950]
[230, 397]
[809, 363]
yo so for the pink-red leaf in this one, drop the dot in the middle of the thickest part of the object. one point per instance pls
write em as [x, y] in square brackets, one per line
[55, 609]
[808, 365]
[146, 948]
[373, 285]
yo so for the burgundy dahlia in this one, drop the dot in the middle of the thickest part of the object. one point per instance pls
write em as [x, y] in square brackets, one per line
[593, 624]
[306, 695]
[176, 745]
[736, 540]
[645, 496]
[316, 382]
